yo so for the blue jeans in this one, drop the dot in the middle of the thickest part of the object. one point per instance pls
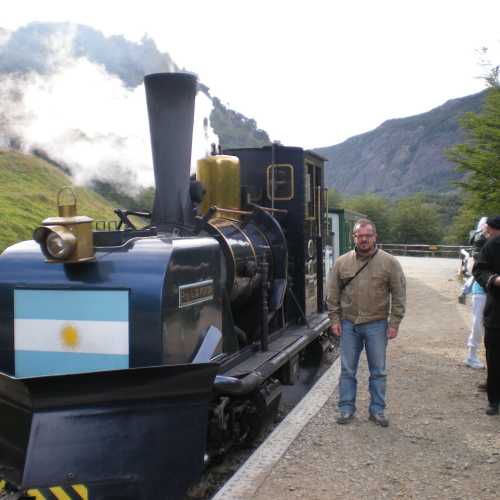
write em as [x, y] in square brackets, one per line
[373, 337]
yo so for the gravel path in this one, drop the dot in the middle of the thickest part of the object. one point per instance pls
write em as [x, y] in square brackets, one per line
[440, 444]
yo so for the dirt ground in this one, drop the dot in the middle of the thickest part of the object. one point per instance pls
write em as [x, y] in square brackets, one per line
[440, 444]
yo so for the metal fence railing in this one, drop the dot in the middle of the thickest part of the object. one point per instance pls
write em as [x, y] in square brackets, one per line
[450, 251]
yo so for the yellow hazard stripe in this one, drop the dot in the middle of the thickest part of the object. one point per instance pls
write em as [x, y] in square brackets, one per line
[81, 490]
[36, 494]
[59, 492]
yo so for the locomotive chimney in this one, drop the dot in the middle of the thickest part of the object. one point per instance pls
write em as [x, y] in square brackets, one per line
[170, 99]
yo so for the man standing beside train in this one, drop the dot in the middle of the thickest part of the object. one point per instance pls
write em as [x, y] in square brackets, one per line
[366, 303]
[486, 271]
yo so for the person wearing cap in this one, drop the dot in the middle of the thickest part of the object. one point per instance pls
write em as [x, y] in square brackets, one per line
[486, 271]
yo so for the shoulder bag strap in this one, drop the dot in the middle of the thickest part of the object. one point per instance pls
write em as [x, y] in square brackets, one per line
[345, 283]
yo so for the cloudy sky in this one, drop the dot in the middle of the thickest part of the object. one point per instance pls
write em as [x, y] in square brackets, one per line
[312, 73]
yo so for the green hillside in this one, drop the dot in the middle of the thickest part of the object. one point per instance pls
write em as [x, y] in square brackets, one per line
[28, 194]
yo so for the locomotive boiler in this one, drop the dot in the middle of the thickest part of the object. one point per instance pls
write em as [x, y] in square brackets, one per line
[130, 357]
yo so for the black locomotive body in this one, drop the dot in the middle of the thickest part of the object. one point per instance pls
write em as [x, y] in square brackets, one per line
[127, 362]
[299, 193]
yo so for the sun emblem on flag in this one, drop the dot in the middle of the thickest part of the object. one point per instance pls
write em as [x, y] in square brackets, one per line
[70, 337]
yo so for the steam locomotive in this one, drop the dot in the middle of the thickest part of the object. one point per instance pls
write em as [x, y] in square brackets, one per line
[128, 357]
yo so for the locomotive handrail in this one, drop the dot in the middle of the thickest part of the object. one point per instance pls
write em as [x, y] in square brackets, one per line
[245, 212]
[231, 211]
[267, 209]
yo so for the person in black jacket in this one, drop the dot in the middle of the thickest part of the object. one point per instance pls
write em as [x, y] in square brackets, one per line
[486, 271]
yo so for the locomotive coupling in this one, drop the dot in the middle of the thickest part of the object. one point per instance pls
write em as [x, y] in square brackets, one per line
[67, 238]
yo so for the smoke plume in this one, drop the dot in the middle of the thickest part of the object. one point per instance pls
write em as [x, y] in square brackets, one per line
[78, 96]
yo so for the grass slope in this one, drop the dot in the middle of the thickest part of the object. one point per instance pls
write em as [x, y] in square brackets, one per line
[28, 195]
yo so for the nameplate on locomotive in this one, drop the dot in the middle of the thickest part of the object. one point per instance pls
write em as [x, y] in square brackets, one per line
[196, 293]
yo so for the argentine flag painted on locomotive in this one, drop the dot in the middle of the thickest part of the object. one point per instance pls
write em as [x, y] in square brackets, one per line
[70, 331]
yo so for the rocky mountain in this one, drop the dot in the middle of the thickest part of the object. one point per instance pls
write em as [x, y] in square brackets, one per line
[234, 129]
[401, 156]
[44, 47]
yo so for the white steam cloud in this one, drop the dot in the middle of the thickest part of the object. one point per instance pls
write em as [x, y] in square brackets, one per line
[87, 119]
[203, 134]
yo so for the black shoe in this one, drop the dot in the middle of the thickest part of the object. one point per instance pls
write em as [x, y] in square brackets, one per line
[492, 409]
[482, 387]
[379, 419]
[345, 417]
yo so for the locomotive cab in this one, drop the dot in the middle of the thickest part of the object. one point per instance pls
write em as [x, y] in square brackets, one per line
[290, 181]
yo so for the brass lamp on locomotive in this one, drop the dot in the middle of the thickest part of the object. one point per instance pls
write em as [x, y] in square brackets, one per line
[124, 368]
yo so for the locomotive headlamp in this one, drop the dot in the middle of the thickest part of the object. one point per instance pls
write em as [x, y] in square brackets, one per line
[60, 244]
[67, 238]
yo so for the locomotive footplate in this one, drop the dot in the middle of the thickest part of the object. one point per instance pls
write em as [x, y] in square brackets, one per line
[282, 349]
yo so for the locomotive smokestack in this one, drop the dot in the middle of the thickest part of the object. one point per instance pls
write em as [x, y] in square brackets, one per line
[170, 98]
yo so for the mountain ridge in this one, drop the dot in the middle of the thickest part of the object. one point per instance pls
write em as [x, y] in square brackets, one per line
[403, 155]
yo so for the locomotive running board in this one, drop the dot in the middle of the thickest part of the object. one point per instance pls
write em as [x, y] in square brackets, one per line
[281, 349]
[142, 426]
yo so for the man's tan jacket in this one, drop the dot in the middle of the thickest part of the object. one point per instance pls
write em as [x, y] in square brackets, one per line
[377, 292]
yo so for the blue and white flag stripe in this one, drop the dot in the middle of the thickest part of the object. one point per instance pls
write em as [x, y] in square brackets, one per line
[36, 364]
[95, 305]
[91, 337]
[70, 331]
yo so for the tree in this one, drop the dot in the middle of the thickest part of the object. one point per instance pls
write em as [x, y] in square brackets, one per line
[414, 220]
[479, 156]
[459, 231]
[335, 198]
[376, 209]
